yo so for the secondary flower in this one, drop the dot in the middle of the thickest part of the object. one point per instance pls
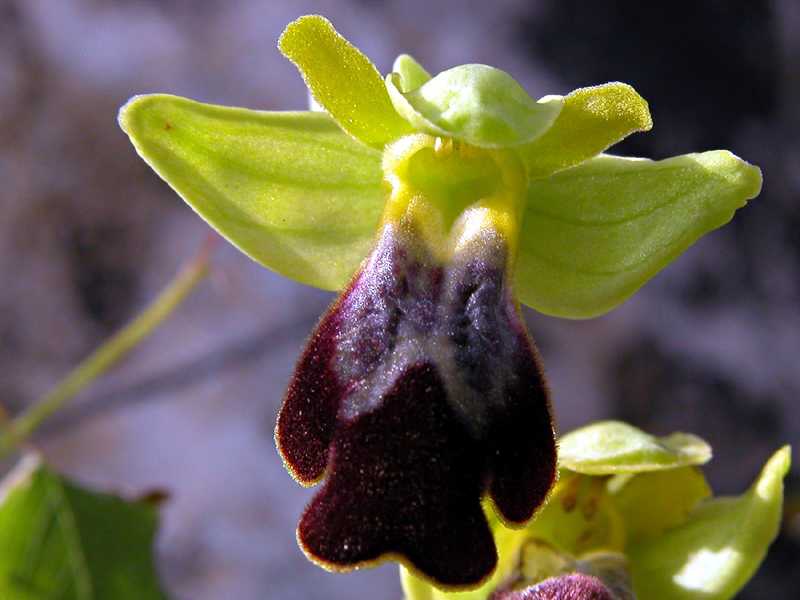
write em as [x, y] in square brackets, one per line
[436, 204]
[632, 518]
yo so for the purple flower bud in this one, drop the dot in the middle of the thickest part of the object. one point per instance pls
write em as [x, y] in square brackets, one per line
[576, 586]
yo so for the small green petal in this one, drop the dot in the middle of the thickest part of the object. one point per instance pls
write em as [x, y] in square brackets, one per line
[594, 234]
[651, 503]
[610, 447]
[288, 189]
[716, 551]
[478, 104]
[342, 80]
[412, 74]
[591, 120]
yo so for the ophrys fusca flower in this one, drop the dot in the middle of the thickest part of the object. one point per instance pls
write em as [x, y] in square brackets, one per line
[436, 204]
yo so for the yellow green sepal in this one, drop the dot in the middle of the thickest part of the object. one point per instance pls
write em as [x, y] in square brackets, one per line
[720, 545]
[659, 500]
[342, 80]
[290, 190]
[591, 120]
[593, 234]
[611, 447]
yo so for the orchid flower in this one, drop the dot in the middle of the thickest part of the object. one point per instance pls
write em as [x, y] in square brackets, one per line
[632, 517]
[435, 205]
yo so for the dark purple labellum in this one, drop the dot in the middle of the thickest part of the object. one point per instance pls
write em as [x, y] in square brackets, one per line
[419, 392]
[576, 586]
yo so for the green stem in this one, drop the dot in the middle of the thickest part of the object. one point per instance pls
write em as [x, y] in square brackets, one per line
[111, 352]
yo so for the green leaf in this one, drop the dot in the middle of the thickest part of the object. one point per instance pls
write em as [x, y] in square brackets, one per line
[412, 74]
[609, 447]
[594, 234]
[342, 80]
[716, 551]
[60, 541]
[478, 104]
[288, 189]
[651, 503]
[591, 120]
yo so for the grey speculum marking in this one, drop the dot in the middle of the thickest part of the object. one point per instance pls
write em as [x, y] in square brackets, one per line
[406, 309]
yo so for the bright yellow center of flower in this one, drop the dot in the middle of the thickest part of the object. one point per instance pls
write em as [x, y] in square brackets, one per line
[452, 193]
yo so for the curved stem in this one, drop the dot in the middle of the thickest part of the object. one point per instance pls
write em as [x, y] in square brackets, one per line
[110, 352]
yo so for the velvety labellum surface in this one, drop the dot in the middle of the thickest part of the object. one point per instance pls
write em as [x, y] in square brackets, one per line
[419, 392]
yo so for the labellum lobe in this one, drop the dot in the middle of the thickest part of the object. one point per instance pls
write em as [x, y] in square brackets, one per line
[420, 390]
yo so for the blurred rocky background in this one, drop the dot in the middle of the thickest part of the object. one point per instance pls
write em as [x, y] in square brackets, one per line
[88, 235]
